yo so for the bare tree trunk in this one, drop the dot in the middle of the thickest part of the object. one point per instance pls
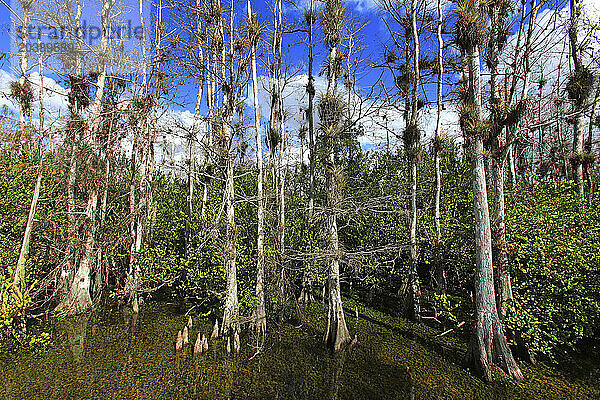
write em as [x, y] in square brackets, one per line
[191, 149]
[41, 93]
[561, 143]
[141, 217]
[411, 143]
[489, 339]
[210, 60]
[588, 145]
[488, 336]
[310, 88]
[259, 311]
[281, 192]
[504, 280]
[337, 333]
[331, 74]
[578, 132]
[23, 60]
[282, 142]
[526, 55]
[138, 205]
[578, 129]
[504, 295]
[512, 172]
[68, 269]
[231, 312]
[19, 274]
[193, 136]
[133, 211]
[103, 206]
[439, 274]
[277, 144]
[78, 299]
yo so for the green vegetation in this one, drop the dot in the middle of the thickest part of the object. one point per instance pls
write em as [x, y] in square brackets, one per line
[121, 209]
[553, 247]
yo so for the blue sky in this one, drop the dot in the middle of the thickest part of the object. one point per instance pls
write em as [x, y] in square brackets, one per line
[374, 35]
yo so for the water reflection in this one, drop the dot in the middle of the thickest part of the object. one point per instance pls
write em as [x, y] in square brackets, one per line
[336, 367]
[76, 330]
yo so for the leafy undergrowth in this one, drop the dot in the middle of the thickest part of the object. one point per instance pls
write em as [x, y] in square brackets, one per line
[113, 354]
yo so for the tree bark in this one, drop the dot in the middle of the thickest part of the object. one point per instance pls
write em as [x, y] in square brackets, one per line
[230, 315]
[310, 88]
[503, 282]
[23, 60]
[41, 92]
[193, 137]
[412, 148]
[259, 310]
[68, 269]
[282, 142]
[504, 296]
[98, 281]
[439, 273]
[191, 149]
[488, 336]
[578, 128]
[133, 211]
[231, 312]
[588, 145]
[488, 340]
[337, 333]
[78, 299]
[19, 274]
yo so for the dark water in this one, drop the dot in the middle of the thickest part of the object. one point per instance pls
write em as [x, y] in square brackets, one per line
[113, 354]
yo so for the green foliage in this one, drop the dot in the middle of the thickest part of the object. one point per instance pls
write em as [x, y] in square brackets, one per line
[553, 243]
[17, 181]
[554, 248]
[14, 302]
[445, 306]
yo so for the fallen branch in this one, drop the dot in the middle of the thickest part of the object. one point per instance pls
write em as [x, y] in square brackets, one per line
[451, 329]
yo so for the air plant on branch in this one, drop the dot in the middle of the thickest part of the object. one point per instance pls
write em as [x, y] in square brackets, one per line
[580, 86]
[254, 29]
[331, 109]
[333, 21]
[470, 30]
[22, 93]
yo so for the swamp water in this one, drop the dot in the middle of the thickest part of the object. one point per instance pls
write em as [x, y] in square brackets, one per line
[113, 354]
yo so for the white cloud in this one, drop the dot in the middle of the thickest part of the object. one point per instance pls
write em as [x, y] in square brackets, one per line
[551, 48]
[54, 100]
[551, 43]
